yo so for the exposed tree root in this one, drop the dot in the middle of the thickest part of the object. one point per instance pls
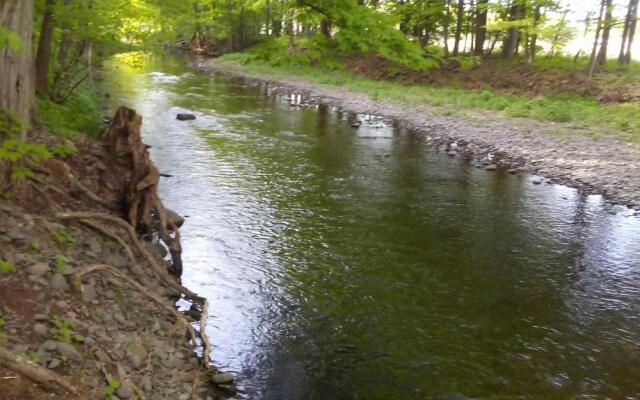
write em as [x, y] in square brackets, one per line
[141, 289]
[106, 232]
[160, 270]
[48, 379]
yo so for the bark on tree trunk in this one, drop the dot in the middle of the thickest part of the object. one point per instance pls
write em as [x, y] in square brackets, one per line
[632, 33]
[445, 29]
[481, 27]
[593, 59]
[43, 56]
[459, 17]
[512, 39]
[531, 47]
[606, 30]
[17, 90]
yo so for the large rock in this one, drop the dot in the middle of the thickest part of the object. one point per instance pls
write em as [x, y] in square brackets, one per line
[185, 117]
[67, 350]
[39, 269]
[58, 282]
[222, 378]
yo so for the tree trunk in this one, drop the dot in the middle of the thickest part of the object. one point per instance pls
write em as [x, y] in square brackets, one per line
[17, 89]
[481, 27]
[459, 17]
[632, 33]
[43, 56]
[510, 45]
[533, 40]
[445, 29]
[628, 33]
[325, 28]
[593, 59]
[606, 30]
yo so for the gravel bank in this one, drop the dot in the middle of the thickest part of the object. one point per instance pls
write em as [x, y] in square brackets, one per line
[606, 166]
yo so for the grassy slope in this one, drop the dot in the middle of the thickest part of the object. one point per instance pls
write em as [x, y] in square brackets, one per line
[574, 111]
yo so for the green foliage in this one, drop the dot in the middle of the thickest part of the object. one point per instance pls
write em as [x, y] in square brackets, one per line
[61, 265]
[63, 236]
[3, 323]
[6, 266]
[65, 331]
[80, 114]
[110, 388]
[9, 39]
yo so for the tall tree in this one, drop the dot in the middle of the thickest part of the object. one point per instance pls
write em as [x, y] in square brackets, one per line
[17, 90]
[459, 20]
[481, 26]
[43, 56]
[512, 37]
[628, 32]
[606, 32]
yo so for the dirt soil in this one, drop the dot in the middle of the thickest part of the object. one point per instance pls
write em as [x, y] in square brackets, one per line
[85, 308]
[560, 154]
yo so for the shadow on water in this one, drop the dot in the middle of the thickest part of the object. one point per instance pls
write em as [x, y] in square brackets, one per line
[348, 260]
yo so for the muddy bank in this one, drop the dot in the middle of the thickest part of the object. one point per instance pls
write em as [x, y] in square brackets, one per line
[606, 166]
[87, 306]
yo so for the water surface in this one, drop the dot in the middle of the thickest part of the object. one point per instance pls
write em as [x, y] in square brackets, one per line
[360, 263]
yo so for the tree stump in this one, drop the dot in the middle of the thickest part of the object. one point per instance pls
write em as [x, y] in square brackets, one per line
[140, 180]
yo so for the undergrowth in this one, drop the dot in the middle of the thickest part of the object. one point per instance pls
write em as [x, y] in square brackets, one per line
[79, 114]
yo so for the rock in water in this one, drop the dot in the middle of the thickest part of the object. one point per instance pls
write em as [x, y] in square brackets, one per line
[174, 217]
[185, 117]
[222, 378]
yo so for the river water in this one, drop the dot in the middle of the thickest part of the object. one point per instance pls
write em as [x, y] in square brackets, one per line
[360, 263]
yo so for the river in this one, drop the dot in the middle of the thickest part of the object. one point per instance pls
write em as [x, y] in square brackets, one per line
[347, 262]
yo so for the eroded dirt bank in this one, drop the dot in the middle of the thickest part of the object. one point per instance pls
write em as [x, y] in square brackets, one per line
[87, 305]
[607, 166]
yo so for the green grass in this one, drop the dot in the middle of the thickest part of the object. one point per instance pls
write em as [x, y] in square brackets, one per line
[620, 120]
[80, 114]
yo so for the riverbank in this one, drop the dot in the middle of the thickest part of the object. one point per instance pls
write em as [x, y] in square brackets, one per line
[87, 308]
[562, 153]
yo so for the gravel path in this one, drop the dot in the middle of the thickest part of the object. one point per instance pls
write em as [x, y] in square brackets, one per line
[607, 166]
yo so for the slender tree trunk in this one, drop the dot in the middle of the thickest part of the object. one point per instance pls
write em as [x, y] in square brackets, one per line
[628, 32]
[533, 40]
[594, 51]
[459, 18]
[606, 30]
[17, 87]
[481, 27]
[510, 45]
[325, 28]
[445, 29]
[43, 56]
[632, 33]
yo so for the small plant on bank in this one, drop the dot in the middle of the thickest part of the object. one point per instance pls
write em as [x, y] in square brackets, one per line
[61, 265]
[33, 246]
[111, 388]
[65, 330]
[34, 356]
[64, 237]
[6, 266]
[3, 323]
